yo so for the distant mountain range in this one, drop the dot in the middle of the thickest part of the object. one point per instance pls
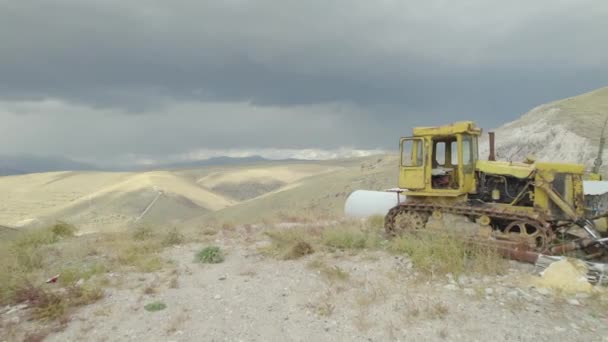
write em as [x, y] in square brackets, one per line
[24, 164]
[216, 161]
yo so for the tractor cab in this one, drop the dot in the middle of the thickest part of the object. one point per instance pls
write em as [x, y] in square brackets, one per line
[440, 161]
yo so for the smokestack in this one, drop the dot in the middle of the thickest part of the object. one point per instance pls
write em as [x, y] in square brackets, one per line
[492, 156]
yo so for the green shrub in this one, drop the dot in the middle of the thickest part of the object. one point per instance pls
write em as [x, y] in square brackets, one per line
[210, 255]
[62, 229]
[155, 306]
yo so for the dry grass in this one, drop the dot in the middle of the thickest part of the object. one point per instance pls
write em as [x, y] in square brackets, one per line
[296, 242]
[82, 263]
[348, 238]
[433, 254]
[437, 254]
[50, 305]
[370, 294]
[331, 273]
[172, 238]
[141, 255]
[429, 309]
[70, 275]
[323, 306]
[298, 250]
[209, 231]
[290, 243]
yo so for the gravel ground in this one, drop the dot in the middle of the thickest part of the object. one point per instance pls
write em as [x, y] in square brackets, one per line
[370, 296]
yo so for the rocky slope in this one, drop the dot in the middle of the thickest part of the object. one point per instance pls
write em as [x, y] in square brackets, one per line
[566, 130]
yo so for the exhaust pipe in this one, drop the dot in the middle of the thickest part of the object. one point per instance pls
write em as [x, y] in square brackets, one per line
[492, 156]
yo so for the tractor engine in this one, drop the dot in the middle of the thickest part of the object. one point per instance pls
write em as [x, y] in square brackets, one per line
[505, 189]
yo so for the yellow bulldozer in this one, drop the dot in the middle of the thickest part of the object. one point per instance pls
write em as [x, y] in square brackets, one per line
[525, 208]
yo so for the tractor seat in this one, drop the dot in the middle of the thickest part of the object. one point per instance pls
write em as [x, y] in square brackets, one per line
[441, 171]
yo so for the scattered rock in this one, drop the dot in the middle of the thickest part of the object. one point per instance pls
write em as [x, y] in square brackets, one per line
[463, 280]
[223, 277]
[217, 297]
[489, 291]
[513, 294]
[451, 287]
[573, 301]
[469, 292]
[543, 291]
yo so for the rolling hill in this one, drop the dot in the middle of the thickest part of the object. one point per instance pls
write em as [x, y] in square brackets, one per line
[111, 200]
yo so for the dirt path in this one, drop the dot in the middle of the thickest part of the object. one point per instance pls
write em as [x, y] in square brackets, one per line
[371, 296]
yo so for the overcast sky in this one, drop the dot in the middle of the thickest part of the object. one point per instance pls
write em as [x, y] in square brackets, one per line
[112, 81]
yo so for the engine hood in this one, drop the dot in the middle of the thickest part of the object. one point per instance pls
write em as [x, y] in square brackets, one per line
[518, 170]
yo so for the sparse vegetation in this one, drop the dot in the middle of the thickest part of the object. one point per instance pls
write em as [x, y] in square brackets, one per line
[62, 230]
[324, 309]
[375, 222]
[331, 273]
[430, 309]
[290, 243]
[298, 250]
[324, 306]
[351, 237]
[46, 236]
[30, 257]
[52, 305]
[139, 254]
[71, 275]
[296, 242]
[142, 233]
[210, 255]
[172, 238]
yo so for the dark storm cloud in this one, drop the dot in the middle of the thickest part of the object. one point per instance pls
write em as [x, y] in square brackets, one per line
[395, 63]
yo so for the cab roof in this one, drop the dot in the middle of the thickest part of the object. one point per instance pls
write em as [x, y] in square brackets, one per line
[451, 129]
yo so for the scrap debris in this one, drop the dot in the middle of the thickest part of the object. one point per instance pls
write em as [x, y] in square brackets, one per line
[569, 274]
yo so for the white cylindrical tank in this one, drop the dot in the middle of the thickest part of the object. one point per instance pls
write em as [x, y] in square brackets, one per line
[364, 203]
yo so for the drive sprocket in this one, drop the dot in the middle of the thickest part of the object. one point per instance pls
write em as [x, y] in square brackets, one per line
[400, 220]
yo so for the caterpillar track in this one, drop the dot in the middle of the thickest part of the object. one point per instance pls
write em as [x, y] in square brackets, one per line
[516, 230]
